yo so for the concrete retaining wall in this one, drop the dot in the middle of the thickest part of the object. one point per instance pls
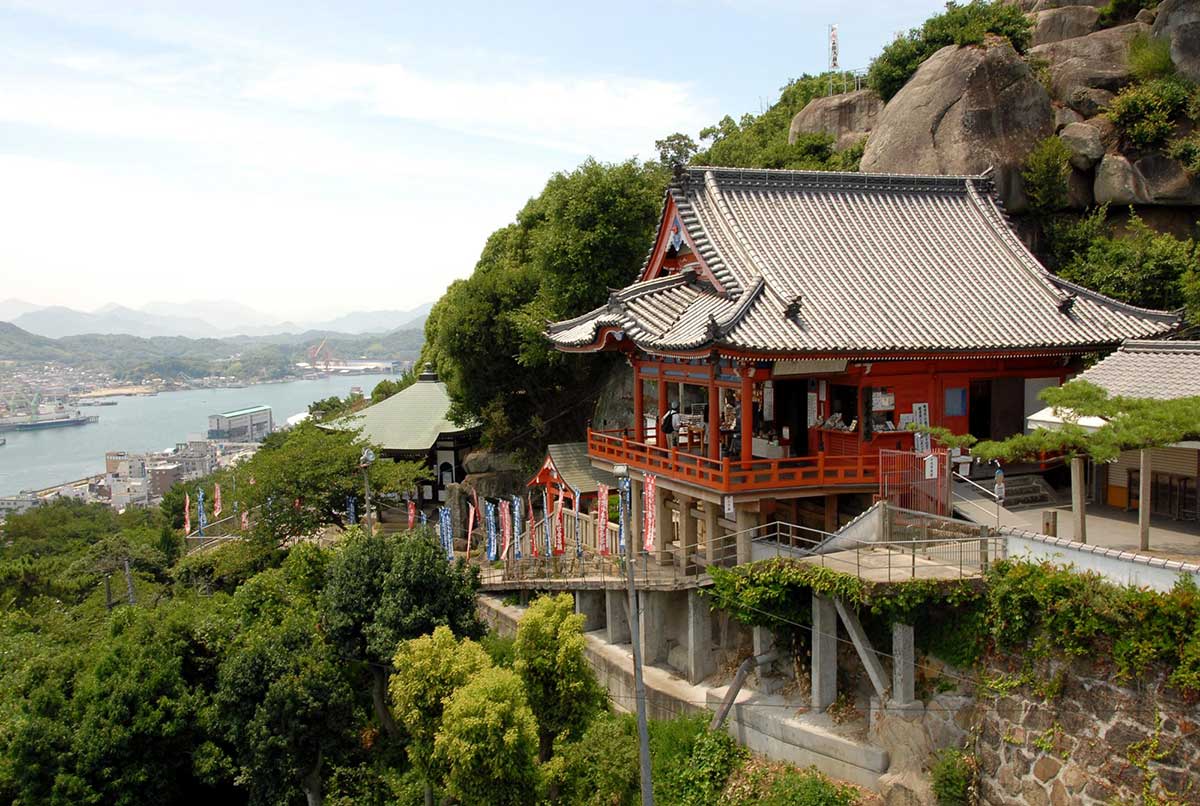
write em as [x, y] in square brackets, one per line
[1121, 567]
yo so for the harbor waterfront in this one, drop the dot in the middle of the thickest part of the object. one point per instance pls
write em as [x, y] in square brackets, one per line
[33, 460]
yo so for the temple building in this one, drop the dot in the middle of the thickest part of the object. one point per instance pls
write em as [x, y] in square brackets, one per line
[799, 321]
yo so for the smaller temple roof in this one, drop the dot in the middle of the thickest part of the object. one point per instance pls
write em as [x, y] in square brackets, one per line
[409, 421]
[1161, 370]
[570, 461]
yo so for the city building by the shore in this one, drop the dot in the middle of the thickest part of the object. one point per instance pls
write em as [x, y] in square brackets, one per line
[251, 424]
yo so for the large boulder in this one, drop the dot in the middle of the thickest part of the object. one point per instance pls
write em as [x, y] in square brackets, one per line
[1067, 22]
[1178, 21]
[1085, 143]
[1043, 5]
[965, 109]
[1098, 61]
[847, 117]
[1167, 182]
[1118, 183]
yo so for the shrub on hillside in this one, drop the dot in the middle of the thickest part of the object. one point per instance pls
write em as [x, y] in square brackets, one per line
[960, 24]
[701, 778]
[1150, 58]
[1047, 169]
[1187, 151]
[1145, 113]
[955, 777]
[763, 783]
[1118, 11]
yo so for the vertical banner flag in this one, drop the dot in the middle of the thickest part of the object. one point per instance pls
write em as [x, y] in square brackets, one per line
[424, 518]
[245, 520]
[216, 500]
[412, 513]
[622, 513]
[350, 509]
[602, 519]
[833, 47]
[517, 521]
[578, 542]
[560, 532]
[470, 525]
[650, 523]
[547, 522]
[445, 530]
[187, 513]
[533, 548]
[493, 546]
[201, 515]
[505, 526]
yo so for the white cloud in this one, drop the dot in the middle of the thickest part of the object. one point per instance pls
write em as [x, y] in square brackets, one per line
[609, 116]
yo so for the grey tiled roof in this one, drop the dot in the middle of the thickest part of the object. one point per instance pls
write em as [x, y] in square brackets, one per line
[1162, 370]
[571, 459]
[876, 263]
[409, 421]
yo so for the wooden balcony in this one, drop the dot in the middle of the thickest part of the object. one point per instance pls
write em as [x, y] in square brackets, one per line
[733, 475]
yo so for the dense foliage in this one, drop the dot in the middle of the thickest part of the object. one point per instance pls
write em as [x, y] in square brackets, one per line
[960, 24]
[1047, 169]
[1146, 112]
[1140, 266]
[587, 232]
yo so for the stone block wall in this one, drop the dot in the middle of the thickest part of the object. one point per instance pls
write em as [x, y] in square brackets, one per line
[1095, 743]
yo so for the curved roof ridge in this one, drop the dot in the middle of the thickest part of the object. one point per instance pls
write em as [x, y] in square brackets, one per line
[1152, 313]
[730, 223]
[795, 177]
[1159, 346]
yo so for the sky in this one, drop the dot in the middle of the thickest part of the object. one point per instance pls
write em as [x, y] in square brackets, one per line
[309, 159]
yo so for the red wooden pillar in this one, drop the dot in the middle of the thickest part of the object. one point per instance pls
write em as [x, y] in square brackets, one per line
[714, 418]
[747, 434]
[639, 412]
[660, 438]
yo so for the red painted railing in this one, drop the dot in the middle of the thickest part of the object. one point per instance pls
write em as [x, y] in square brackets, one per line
[734, 475]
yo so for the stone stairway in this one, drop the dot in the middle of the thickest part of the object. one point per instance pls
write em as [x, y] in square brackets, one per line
[1028, 491]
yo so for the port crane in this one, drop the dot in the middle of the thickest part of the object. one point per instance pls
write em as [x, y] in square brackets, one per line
[315, 354]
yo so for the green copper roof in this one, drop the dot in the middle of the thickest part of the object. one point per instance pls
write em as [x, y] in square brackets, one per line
[410, 420]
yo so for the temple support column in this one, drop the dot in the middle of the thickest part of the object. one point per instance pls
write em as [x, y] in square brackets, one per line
[652, 627]
[666, 530]
[700, 659]
[660, 437]
[824, 653]
[714, 419]
[903, 664]
[639, 407]
[616, 616]
[746, 434]
[746, 522]
[831, 513]
[591, 605]
[687, 532]
[1144, 478]
[712, 550]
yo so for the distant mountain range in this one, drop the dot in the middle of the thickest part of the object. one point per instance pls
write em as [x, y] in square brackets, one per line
[195, 320]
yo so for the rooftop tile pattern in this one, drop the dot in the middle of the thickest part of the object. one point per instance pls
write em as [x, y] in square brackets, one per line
[817, 262]
[1162, 370]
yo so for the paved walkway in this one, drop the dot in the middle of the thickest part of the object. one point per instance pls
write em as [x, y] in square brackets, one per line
[1106, 526]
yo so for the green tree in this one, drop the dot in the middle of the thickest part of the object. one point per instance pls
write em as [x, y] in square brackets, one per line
[551, 661]
[676, 149]
[388, 387]
[488, 742]
[429, 670]
[382, 590]
[300, 484]
[1047, 169]
[960, 24]
[284, 703]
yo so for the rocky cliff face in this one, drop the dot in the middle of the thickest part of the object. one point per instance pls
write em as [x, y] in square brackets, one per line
[970, 108]
[965, 110]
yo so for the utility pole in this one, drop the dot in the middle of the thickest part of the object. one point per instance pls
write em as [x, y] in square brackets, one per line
[622, 472]
[364, 462]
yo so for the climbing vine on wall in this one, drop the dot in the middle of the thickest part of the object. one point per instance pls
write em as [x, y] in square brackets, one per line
[1036, 608]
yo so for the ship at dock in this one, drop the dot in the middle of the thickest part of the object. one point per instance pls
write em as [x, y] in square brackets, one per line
[59, 418]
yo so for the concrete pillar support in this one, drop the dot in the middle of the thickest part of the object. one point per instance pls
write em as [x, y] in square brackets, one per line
[663, 550]
[687, 532]
[712, 549]
[746, 521]
[903, 664]
[866, 652]
[652, 627]
[700, 659]
[616, 620]
[592, 606]
[824, 653]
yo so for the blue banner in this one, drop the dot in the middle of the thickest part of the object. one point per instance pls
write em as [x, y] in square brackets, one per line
[518, 522]
[202, 517]
[350, 509]
[622, 509]
[424, 518]
[547, 522]
[446, 532]
[489, 517]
